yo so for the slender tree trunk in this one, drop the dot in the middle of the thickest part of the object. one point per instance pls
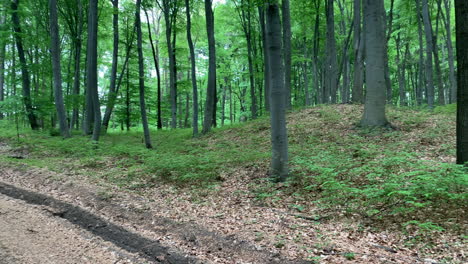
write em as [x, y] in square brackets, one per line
[193, 70]
[286, 19]
[315, 56]
[266, 71]
[24, 67]
[112, 96]
[421, 79]
[400, 72]
[358, 81]
[451, 60]
[2, 62]
[56, 69]
[389, 30]
[141, 76]
[438, 70]
[279, 137]
[331, 67]
[374, 108]
[210, 105]
[158, 74]
[77, 74]
[461, 14]
[91, 69]
[429, 51]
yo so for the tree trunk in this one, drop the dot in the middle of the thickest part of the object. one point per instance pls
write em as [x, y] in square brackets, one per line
[210, 105]
[374, 108]
[56, 69]
[91, 69]
[193, 71]
[286, 19]
[331, 67]
[421, 80]
[451, 61]
[77, 74]
[429, 51]
[24, 67]
[266, 71]
[279, 137]
[112, 96]
[461, 14]
[141, 77]
[2, 62]
[158, 74]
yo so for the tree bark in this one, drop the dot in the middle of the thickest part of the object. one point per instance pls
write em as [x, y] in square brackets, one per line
[279, 137]
[429, 51]
[451, 60]
[331, 67]
[266, 71]
[141, 77]
[210, 105]
[24, 67]
[193, 71]
[461, 14]
[56, 69]
[286, 19]
[91, 70]
[112, 96]
[77, 74]
[158, 73]
[374, 108]
[2, 62]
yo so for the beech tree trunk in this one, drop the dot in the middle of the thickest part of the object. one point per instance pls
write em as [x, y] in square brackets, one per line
[210, 105]
[24, 66]
[2, 62]
[91, 70]
[266, 72]
[429, 51]
[77, 74]
[461, 14]
[112, 96]
[331, 67]
[141, 77]
[56, 69]
[286, 13]
[193, 71]
[374, 108]
[451, 60]
[279, 137]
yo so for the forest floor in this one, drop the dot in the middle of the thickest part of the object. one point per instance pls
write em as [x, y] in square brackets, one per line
[61, 208]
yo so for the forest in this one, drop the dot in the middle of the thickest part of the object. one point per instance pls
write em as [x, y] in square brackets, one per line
[234, 131]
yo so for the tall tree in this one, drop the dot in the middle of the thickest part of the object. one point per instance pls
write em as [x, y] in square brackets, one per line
[170, 9]
[285, 11]
[451, 60]
[2, 60]
[24, 66]
[56, 69]
[210, 105]
[358, 81]
[193, 70]
[266, 78]
[461, 14]
[115, 57]
[141, 76]
[374, 108]
[331, 66]
[279, 137]
[429, 51]
[92, 110]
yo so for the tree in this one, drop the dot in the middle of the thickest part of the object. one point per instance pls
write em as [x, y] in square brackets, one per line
[141, 76]
[461, 14]
[374, 108]
[331, 67]
[279, 136]
[429, 51]
[56, 69]
[210, 105]
[193, 70]
[93, 106]
[115, 57]
[357, 94]
[2, 61]
[24, 66]
[287, 50]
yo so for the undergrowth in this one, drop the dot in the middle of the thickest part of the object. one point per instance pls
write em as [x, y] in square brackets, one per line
[405, 175]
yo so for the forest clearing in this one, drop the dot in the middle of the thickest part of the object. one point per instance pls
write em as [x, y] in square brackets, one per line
[233, 131]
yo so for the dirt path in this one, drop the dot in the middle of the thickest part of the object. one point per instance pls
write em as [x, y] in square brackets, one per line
[32, 234]
[48, 217]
